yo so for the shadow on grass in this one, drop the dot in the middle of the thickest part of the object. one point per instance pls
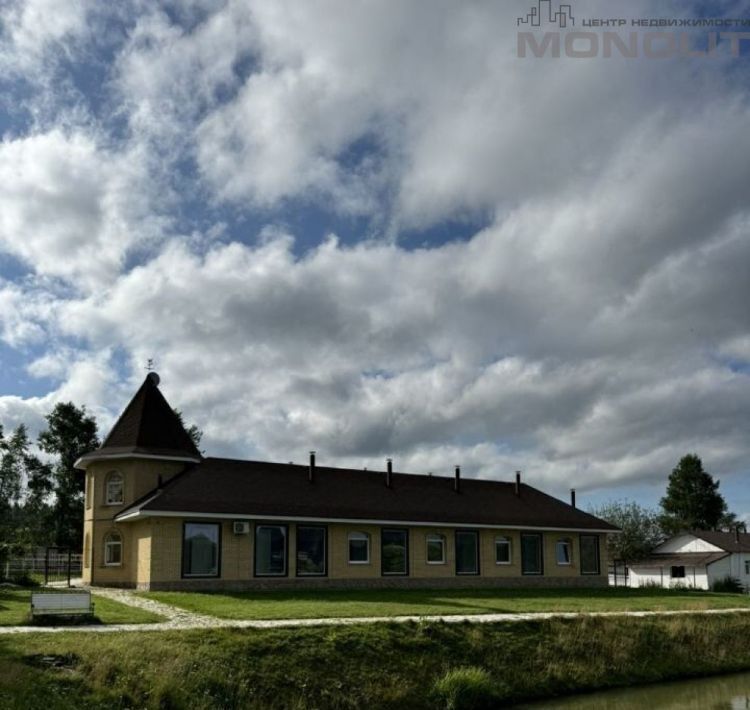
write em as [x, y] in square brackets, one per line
[63, 620]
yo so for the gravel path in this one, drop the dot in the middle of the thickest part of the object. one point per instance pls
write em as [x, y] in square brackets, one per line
[180, 619]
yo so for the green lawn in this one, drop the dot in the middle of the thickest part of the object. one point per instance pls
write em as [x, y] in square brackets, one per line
[373, 666]
[321, 603]
[14, 610]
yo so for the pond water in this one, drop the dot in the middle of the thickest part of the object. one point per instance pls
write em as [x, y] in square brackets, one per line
[727, 692]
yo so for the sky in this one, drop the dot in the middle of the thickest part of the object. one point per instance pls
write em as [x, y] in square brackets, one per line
[374, 230]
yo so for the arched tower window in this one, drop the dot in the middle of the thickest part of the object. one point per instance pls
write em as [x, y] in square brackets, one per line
[114, 488]
[113, 549]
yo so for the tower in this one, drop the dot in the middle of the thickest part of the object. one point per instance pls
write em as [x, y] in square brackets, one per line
[147, 446]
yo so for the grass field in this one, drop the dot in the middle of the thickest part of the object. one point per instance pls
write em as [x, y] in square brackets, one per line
[370, 666]
[14, 610]
[322, 603]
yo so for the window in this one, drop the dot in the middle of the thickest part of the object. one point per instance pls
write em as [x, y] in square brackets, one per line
[589, 554]
[436, 549]
[502, 551]
[394, 552]
[270, 550]
[467, 552]
[201, 543]
[359, 548]
[113, 549]
[747, 566]
[311, 551]
[563, 552]
[677, 572]
[89, 482]
[113, 488]
[531, 554]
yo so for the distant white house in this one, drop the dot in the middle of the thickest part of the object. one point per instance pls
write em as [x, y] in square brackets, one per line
[695, 559]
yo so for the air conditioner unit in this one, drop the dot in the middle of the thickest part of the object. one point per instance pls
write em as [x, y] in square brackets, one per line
[240, 527]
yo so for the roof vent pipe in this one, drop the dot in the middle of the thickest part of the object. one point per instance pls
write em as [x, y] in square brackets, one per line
[311, 470]
[573, 497]
[457, 482]
[388, 472]
[518, 483]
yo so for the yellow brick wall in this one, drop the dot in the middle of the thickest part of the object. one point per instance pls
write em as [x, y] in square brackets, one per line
[142, 536]
[153, 554]
[418, 565]
[338, 552]
[124, 573]
[166, 551]
[488, 563]
[139, 477]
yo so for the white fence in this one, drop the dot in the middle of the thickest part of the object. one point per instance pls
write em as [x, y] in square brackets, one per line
[619, 575]
[38, 563]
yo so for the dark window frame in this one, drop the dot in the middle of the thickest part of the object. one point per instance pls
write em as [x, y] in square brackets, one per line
[505, 539]
[286, 548]
[443, 545]
[581, 538]
[112, 538]
[478, 555]
[324, 573]
[107, 480]
[183, 574]
[368, 538]
[569, 543]
[677, 576]
[405, 532]
[539, 536]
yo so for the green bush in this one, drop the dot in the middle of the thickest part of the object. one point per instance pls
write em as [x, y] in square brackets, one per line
[727, 584]
[24, 579]
[468, 688]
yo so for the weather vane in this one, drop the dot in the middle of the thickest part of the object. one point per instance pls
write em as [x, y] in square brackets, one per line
[150, 364]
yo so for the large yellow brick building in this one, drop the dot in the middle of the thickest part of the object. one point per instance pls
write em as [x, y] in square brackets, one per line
[158, 515]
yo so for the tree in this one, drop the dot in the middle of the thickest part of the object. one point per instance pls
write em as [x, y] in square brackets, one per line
[10, 477]
[26, 486]
[70, 433]
[641, 531]
[23, 518]
[193, 431]
[693, 501]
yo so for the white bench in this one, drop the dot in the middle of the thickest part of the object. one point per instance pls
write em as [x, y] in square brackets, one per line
[61, 603]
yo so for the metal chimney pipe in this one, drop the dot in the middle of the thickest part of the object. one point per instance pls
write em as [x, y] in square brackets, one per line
[518, 483]
[573, 497]
[737, 534]
[388, 472]
[457, 482]
[311, 470]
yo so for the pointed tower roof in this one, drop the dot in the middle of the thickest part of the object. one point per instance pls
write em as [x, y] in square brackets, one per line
[148, 428]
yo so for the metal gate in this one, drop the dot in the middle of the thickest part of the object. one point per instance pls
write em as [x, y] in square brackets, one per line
[58, 563]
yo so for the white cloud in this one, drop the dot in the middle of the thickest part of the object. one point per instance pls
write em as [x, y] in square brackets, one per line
[70, 208]
[367, 351]
[33, 28]
[590, 334]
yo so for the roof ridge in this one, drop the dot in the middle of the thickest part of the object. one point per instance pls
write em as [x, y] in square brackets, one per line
[267, 490]
[321, 467]
[148, 426]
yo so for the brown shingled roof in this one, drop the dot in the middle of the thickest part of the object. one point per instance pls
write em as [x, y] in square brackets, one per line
[253, 488]
[148, 426]
[725, 540]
